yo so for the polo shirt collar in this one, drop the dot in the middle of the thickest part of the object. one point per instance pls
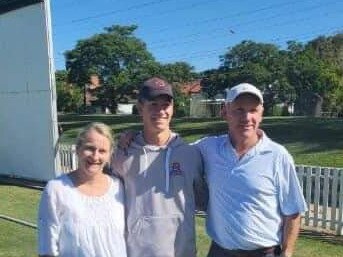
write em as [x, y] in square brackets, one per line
[263, 145]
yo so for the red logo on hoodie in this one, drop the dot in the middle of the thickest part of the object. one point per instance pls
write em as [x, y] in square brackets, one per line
[176, 169]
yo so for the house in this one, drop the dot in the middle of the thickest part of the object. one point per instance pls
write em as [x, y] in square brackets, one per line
[191, 88]
[91, 89]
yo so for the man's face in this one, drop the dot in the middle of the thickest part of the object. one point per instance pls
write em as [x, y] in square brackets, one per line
[157, 113]
[244, 116]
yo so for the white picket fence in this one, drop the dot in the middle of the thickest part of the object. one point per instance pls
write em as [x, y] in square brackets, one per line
[322, 188]
[323, 191]
[68, 157]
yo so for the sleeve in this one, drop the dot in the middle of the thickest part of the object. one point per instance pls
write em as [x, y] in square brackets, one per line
[200, 143]
[117, 162]
[48, 223]
[291, 196]
[200, 185]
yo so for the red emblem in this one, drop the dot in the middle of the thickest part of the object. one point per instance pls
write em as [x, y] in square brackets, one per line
[159, 84]
[176, 169]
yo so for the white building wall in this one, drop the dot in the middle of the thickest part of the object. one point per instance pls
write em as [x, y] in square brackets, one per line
[28, 117]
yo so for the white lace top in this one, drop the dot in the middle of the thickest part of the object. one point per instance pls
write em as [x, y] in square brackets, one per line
[71, 224]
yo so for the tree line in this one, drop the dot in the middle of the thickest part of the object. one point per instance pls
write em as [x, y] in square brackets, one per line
[308, 76]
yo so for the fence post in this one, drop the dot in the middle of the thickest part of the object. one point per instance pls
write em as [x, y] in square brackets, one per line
[325, 202]
[73, 157]
[340, 212]
[300, 173]
[335, 178]
[308, 173]
[317, 190]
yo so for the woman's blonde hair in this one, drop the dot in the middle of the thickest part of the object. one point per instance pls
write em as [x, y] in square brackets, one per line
[99, 127]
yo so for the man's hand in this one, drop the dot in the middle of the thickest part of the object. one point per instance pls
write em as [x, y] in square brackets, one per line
[125, 139]
[284, 254]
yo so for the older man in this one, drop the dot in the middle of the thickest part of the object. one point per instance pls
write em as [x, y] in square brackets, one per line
[255, 198]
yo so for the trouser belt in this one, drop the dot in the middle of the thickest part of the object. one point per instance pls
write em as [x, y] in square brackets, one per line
[218, 251]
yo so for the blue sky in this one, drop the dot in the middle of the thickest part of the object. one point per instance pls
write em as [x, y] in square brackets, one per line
[195, 31]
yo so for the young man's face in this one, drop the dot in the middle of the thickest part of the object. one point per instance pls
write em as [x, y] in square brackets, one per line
[157, 113]
[244, 116]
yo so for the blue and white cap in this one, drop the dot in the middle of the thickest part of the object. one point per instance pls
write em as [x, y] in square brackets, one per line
[243, 88]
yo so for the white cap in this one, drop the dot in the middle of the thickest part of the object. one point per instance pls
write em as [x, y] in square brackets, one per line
[243, 88]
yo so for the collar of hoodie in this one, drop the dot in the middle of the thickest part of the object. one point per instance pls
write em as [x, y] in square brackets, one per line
[161, 149]
[145, 165]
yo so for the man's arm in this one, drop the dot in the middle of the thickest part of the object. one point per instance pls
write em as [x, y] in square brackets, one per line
[292, 204]
[200, 186]
[291, 228]
[201, 193]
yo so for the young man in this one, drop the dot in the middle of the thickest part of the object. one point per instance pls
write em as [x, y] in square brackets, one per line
[255, 200]
[159, 172]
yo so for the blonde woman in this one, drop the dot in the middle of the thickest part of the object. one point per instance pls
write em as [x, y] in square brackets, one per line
[81, 214]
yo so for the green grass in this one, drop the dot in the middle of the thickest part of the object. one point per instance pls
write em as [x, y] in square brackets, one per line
[311, 141]
[21, 203]
[18, 241]
[203, 241]
[19, 200]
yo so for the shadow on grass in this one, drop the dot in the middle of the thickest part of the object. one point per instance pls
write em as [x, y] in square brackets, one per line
[312, 135]
[206, 129]
[73, 121]
[20, 182]
[317, 134]
[322, 236]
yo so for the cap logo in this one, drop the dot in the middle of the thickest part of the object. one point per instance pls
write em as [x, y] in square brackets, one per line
[159, 85]
[153, 88]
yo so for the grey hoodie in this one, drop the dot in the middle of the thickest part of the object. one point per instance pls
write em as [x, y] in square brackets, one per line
[159, 193]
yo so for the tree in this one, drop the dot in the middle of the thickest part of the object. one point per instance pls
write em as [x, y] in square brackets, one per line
[215, 81]
[181, 103]
[329, 49]
[120, 59]
[313, 79]
[261, 64]
[336, 100]
[69, 97]
[178, 72]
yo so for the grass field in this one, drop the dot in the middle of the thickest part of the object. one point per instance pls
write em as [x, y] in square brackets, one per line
[17, 240]
[311, 141]
[20, 241]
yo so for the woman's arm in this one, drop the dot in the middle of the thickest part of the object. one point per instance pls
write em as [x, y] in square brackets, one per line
[48, 222]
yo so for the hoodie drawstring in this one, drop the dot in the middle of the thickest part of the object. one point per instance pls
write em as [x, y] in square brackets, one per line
[145, 162]
[167, 169]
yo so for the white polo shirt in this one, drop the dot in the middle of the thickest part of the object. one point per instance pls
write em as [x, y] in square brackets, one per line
[249, 196]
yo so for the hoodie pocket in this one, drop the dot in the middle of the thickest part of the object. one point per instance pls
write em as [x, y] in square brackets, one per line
[154, 236]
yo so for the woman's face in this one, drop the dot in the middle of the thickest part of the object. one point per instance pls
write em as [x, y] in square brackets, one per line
[94, 153]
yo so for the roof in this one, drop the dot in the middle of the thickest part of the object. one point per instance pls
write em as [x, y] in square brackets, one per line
[10, 5]
[191, 87]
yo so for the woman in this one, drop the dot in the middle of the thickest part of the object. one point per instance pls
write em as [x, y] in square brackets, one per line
[81, 214]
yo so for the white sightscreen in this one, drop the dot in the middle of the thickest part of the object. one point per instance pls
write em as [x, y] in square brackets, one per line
[28, 118]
